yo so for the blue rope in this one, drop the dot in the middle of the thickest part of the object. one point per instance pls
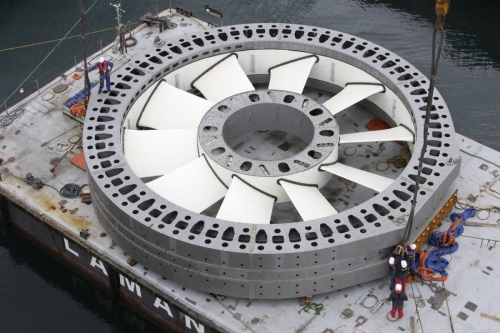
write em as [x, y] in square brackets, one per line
[434, 260]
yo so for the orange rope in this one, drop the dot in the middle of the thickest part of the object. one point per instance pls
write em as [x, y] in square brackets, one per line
[426, 273]
[456, 223]
[447, 239]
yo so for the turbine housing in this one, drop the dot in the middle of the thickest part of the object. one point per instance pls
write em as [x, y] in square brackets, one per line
[260, 260]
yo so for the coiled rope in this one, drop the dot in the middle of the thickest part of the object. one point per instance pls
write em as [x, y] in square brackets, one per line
[70, 191]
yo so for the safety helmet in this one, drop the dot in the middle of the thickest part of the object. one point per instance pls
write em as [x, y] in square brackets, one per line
[404, 264]
[391, 261]
[398, 287]
[413, 246]
[101, 60]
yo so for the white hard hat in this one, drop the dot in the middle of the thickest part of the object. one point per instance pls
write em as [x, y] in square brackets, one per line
[391, 261]
[413, 246]
[101, 59]
[404, 264]
[398, 287]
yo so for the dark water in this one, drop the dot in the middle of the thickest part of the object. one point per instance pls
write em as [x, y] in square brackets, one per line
[39, 295]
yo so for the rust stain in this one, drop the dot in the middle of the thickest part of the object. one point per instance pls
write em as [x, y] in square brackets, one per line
[70, 220]
[493, 188]
[62, 203]
[79, 222]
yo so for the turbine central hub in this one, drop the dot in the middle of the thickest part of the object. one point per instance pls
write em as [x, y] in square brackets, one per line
[268, 133]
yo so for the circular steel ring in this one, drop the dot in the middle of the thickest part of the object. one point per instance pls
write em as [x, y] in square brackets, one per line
[226, 257]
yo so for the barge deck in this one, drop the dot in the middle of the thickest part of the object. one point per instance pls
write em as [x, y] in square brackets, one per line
[70, 230]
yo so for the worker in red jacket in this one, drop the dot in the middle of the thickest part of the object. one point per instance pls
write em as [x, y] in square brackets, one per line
[105, 68]
[398, 298]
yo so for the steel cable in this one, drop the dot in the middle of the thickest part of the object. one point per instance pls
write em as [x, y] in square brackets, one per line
[57, 40]
[434, 67]
[446, 295]
[417, 306]
[8, 118]
[47, 56]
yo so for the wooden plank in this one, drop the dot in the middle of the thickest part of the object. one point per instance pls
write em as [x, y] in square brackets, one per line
[495, 318]
[479, 224]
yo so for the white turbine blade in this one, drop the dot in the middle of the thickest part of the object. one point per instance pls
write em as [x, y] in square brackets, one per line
[350, 95]
[367, 179]
[155, 153]
[172, 108]
[245, 204]
[292, 76]
[308, 200]
[193, 186]
[226, 79]
[399, 133]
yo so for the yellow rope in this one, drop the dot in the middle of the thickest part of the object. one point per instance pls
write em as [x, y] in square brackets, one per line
[56, 40]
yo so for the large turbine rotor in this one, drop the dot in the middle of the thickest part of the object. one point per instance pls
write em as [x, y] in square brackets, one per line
[201, 142]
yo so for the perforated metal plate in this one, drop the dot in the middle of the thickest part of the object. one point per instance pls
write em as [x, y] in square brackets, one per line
[275, 260]
[269, 110]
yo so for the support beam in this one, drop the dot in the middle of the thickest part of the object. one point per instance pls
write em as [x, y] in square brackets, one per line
[193, 186]
[399, 133]
[172, 108]
[245, 204]
[367, 179]
[225, 79]
[308, 200]
[350, 95]
[292, 75]
[158, 152]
